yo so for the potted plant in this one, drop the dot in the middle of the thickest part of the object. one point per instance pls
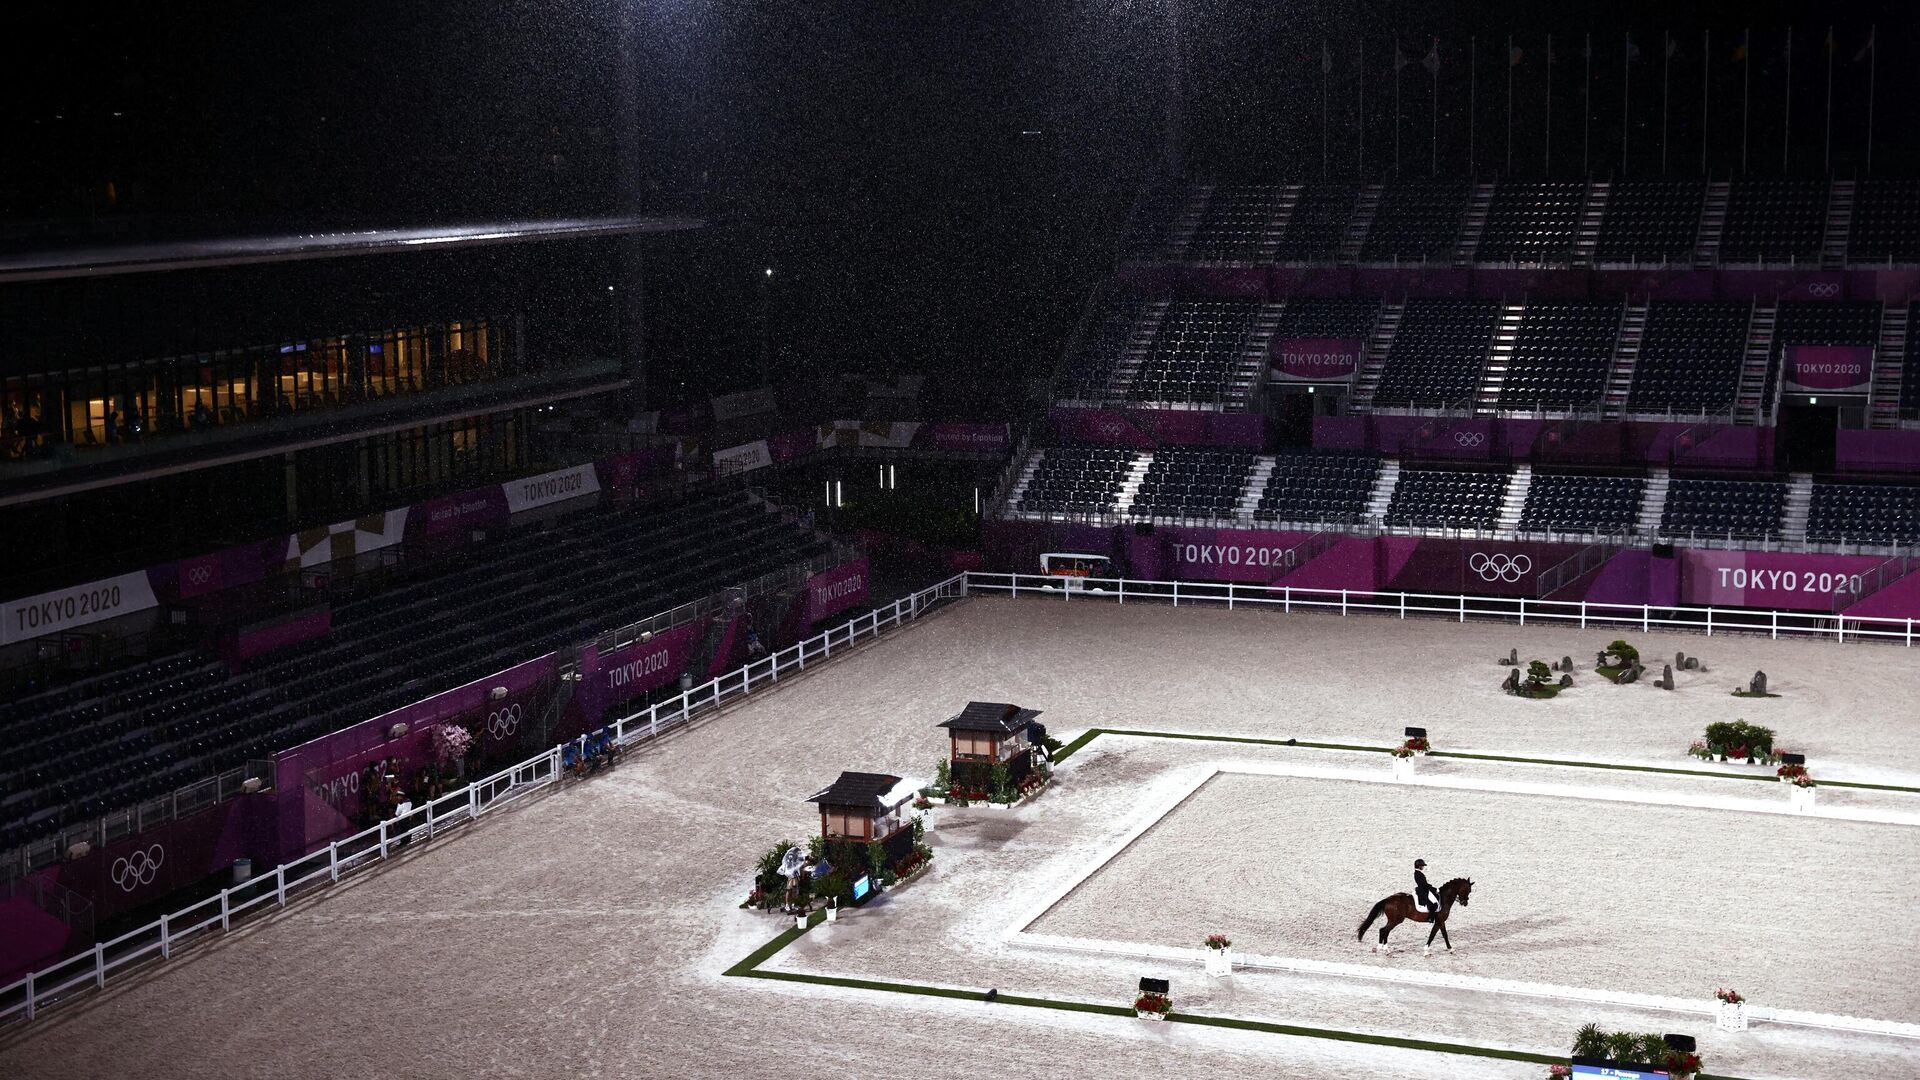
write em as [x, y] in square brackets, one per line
[833, 909]
[1419, 745]
[1152, 1006]
[1219, 955]
[1733, 1010]
[1802, 793]
[1788, 773]
[1402, 762]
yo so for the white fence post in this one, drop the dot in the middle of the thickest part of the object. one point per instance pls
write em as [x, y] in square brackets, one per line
[333, 860]
[1286, 599]
[1709, 622]
[100, 967]
[280, 883]
[226, 911]
[1583, 614]
[1646, 617]
[1523, 611]
[29, 995]
[166, 943]
[1123, 590]
[383, 839]
[1403, 606]
[1229, 596]
[1343, 602]
[1176, 594]
[1776, 624]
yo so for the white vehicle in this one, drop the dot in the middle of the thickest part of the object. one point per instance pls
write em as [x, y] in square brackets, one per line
[1073, 568]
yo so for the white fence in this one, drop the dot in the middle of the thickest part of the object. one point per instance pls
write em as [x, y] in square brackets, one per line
[25, 999]
[1711, 620]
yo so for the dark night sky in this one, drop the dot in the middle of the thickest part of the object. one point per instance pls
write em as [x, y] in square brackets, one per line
[873, 153]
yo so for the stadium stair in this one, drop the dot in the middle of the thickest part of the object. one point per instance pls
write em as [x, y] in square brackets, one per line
[1514, 500]
[1383, 485]
[1833, 244]
[1587, 241]
[1379, 342]
[1653, 505]
[1130, 483]
[1889, 362]
[1256, 486]
[1365, 205]
[1713, 223]
[1799, 508]
[1493, 370]
[1474, 226]
[1750, 403]
[1626, 354]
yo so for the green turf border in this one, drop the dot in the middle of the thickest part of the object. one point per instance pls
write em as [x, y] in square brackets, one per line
[749, 968]
[1091, 733]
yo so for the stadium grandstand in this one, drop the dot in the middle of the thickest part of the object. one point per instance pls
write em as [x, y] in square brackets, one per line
[613, 539]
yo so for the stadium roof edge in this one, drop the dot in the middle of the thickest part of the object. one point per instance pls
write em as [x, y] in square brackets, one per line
[203, 253]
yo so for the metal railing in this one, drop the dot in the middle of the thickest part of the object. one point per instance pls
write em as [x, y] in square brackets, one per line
[1453, 606]
[69, 978]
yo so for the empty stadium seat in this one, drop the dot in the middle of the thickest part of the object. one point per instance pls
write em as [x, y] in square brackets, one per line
[1447, 498]
[1438, 352]
[1690, 357]
[1865, 514]
[1312, 487]
[1561, 355]
[1724, 509]
[1532, 223]
[1416, 222]
[1774, 220]
[1193, 482]
[1651, 221]
[1886, 222]
[1581, 503]
[1076, 480]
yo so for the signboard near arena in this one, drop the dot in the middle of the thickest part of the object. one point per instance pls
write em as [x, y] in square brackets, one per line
[1315, 359]
[743, 458]
[1829, 369]
[77, 605]
[1770, 579]
[728, 407]
[547, 488]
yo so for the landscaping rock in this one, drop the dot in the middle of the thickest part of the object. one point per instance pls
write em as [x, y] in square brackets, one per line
[1759, 683]
[1513, 658]
[1693, 664]
[1566, 663]
[1512, 685]
[1566, 681]
[1665, 681]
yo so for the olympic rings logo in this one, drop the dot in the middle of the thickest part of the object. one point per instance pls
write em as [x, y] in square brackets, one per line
[139, 868]
[502, 722]
[199, 575]
[1825, 290]
[1469, 438]
[1499, 566]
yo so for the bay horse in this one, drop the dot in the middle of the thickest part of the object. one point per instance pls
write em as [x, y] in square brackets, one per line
[1400, 908]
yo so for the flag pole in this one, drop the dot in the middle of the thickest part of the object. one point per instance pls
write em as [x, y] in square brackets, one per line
[1360, 54]
[1786, 127]
[1666, 70]
[1433, 152]
[1873, 76]
[1549, 163]
[1827, 163]
[1509, 170]
[1746, 93]
[1326, 61]
[1396, 106]
[1706, 92]
[1626, 101]
[1586, 111]
[1473, 95]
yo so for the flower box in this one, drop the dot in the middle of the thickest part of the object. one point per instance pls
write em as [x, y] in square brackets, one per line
[1219, 962]
[1147, 1015]
[1802, 798]
[1732, 1016]
[1403, 768]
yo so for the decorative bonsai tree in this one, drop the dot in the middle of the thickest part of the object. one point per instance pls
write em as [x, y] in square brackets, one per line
[1622, 654]
[1537, 674]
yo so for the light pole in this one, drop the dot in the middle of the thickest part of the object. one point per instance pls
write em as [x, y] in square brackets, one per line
[766, 322]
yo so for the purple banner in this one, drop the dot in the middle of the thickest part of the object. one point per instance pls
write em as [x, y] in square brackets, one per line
[631, 671]
[1315, 359]
[452, 514]
[317, 782]
[1769, 579]
[266, 636]
[834, 591]
[1145, 429]
[1840, 369]
[958, 437]
[1877, 451]
[1258, 556]
[139, 869]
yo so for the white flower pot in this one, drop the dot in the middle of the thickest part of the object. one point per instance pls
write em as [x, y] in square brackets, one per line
[1145, 1015]
[800, 922]
[1403, 769]
[1219, 962]
[1802, 798]
[1732, 1017]
[833, 914]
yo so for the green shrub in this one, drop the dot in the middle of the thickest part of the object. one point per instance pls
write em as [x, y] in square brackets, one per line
[1726, 736]
[1538, 672]
[1590, 1042]
[1002, 783]
[943, 776]
[1624, 654]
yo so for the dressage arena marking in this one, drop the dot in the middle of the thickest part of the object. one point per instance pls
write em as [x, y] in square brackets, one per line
[1018, 935]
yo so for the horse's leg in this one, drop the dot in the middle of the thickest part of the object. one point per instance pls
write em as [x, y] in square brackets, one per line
[1439, 924]
[1444, 936]
[1391, 922]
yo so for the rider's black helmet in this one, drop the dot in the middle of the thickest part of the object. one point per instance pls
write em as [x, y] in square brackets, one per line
[1418, 863]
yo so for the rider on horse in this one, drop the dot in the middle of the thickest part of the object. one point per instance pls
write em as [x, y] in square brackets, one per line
[1424, 895]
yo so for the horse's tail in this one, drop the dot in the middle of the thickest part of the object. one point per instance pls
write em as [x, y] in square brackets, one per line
[1361, 934]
